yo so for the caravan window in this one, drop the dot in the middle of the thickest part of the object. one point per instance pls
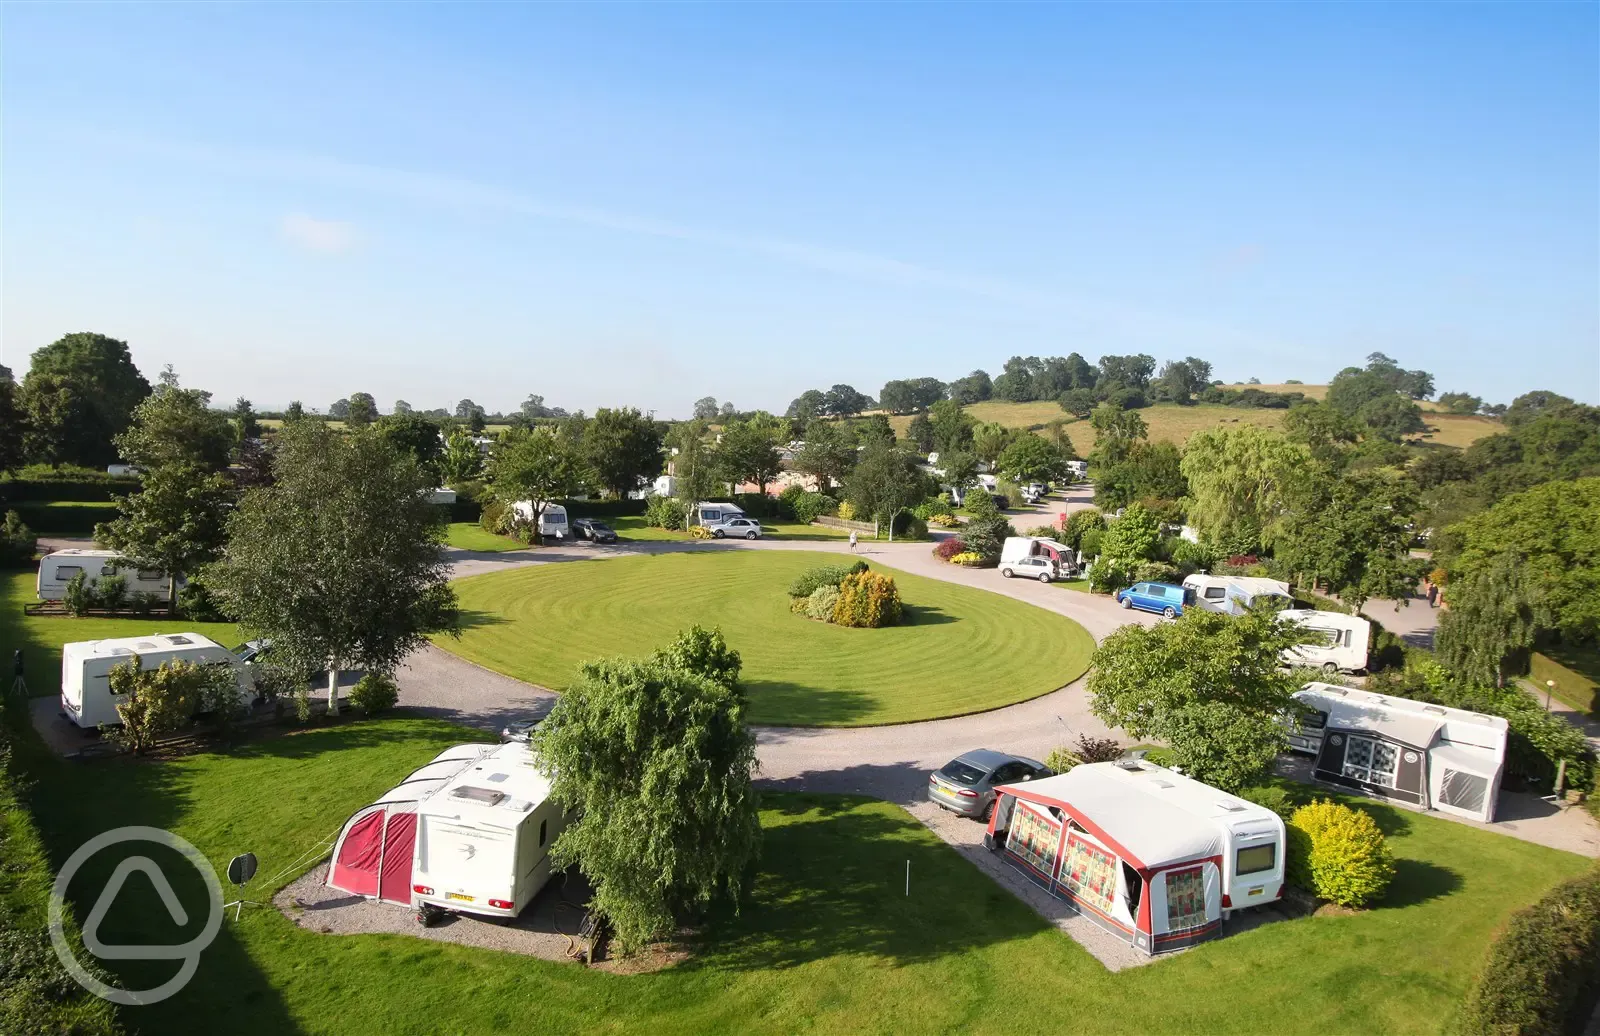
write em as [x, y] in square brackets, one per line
[1371, 762]
[1215, 593]
[66, 572]
[1186, 899]
[149, 575]
[1320, 637]
[543, 824]
[1463, 790]
[1254, 859]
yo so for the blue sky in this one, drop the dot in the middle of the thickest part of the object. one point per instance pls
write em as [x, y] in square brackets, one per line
[611, 204]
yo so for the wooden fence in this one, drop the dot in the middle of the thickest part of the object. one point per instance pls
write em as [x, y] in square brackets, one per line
[845, 523]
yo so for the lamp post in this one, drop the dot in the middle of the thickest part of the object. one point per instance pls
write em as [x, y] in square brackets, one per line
[1549, 687]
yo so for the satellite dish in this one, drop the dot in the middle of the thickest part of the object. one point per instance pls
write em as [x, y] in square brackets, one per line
[242, 868]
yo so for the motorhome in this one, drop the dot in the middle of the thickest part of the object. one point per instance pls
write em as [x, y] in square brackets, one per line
[443, 496]
[86, 698]
[552, 520]
[1156, 858]
[1034, 557]
[1235, 595]
[1340, 642]
[57, 569]
[716, 513]
[470, 832]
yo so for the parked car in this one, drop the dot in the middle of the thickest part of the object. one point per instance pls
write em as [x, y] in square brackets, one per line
[519, 729]
[748, 528]
[1041, 568]
[965, 785]
[595, 531]
[1165, 598]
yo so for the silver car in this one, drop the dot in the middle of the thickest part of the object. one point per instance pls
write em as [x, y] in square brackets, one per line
[965, 785]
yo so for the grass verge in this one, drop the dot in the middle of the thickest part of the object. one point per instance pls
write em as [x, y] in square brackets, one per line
[472, 536]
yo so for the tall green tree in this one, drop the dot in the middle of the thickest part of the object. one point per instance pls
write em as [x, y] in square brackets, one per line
[749, 450]
[920, 432]
[1494, 617]
[245, 424]
[363, 410]
[623, 447]
[695, 466]
[884, 480]
[175, 425]
[952, 427]
[827, 455]
[657, 760]
[13, 423]
[990, 439]
[1207, 685]
[339, 561]
[1030, 458]
[103, 386]
[1115, 432]
[1353, 534]
[461, 459]
[1240, 481]
[541, 466]
[1326, 432]
[412, 433]
[176, 522]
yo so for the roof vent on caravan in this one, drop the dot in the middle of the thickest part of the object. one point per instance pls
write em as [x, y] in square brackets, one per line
[484, 796]
[122, 651]
[1231, 807]
[496, 778]
[1129, 764]
[147, 645]
[177, 638]
[1162, 784]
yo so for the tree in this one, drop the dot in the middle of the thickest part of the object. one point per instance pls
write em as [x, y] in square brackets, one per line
[1016, 380]
[990, 439]
[1461, 403]
[807, 406]
[623, 448]
[245, 425]
[1132, 371]
[176, 425]
[413, 434]
[363, 410]
[907, 397]
[1129, 542]
[1115, 433]
[402, 407]
[694, 465]
[920, 432]
[960, 469]
[1208, 686]
[749, 451]
[461, 459]
[1323, 430]
[884, 480]
[295, 411]
[974, 388]
[705, 408]
[58, 427]
[1530, 405]
[1181, 379]
[13, 422]
[1152, 471]
[1494, 616]
[477, 421]
[845, 401]
[175, 523]
[1240, 481]
[534, 407]
[339, 409]
[1412, 384]
[541, 466]
[952, 428]
[102, 385]
[656, 760]
[338, 562]
[1391, 417]
[1029, 458]
[1079, 402]
[827, 455]
[1352, 533]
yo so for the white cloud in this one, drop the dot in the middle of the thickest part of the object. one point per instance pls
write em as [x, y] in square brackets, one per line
[317, 235]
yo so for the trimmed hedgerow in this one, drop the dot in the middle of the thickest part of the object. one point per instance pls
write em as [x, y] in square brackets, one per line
[1541, 978]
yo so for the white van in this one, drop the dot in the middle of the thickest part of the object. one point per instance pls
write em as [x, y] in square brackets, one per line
[552, 522]
[483, 839]
[715, 514]
[1033, 557]
[1341, 644]
[1235, 595]
[86, 698]
[57, 568]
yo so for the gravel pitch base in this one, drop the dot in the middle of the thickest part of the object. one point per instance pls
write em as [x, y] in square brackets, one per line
[537, 933]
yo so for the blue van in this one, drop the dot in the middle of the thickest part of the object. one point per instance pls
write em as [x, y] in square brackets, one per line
[1156, 597]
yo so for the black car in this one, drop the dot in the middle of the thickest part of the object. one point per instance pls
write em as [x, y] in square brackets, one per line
[598, 532]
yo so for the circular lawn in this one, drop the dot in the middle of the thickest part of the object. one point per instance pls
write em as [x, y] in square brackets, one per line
[956, 650]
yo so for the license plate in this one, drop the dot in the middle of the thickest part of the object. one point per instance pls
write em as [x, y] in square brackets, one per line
[1257, 891]
[457, 895]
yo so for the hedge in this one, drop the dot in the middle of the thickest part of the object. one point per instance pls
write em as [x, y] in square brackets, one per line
[65, 519]
[78, 488]
[1542, 976]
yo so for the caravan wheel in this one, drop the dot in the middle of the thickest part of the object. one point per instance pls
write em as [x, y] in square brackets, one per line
[1331, 668]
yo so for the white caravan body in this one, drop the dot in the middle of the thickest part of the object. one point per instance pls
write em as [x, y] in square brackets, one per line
[552, 521]
[1342, 643]
[86, 697]
[57, 568]
[1235, 595]
[712, 514]
[483, 839]
[1016, 548]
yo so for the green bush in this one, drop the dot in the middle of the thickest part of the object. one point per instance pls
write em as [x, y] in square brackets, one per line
[1541, 978]
[822, 602]
[143, 603]
[1047, 532]
[1155, 572]
[1080, 523]
[1090, 543]
[374, 693]
[64, 519]
[932, 507]
[158, 701]
[493, 515]
[112, 591]
[79, 596]
[1160, 757]
[808, 506]
[663, 512]
[978, 503]
[17, 541]
[809, 581]
[1281, 800]
[1339, 854]
[1061, 759]
[985, 536]
[969, 559]
[197, 602]
[867, 600]
[908, 526]
[1197, 555]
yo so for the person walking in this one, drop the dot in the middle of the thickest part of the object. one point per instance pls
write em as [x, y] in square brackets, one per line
[1433, 594]
[852, 541]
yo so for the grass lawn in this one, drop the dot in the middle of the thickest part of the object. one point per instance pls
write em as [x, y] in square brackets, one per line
[41, 636]
[828, 943]
[472, 536]
[1080, 585]
[633, 527]
[1576, 671]
[64, 517]
[958, 649]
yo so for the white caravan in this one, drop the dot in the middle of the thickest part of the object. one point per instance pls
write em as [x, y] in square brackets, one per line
[1235, 595]
[552, 521]
[86, 698]
[1341, 644]
[717, 513]
[1034, 557]
[57, 568]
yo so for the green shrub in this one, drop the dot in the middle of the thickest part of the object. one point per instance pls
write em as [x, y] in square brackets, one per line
[968, 558]
[1281, 800]
[79, 596]
[143, 603]
[197, 602]
[812, 579]
[1079, 524]
[374, 693]
[492, 517]
[1155, 572]
[663, 512]
[909, 526]
[1160, 757]
[986, 535]
[1090, 543]
[945, 521]
[1541, 978]
[158, 702]
[821, 603]
[1061, 759]
[112, 591]
[1197, 555]
[17, 541]
[1106, 576]
[933, 507]
[979, 503]
[1339, 854]
[867, 600]
[786, 499]
[807, 506]
[1047, 532]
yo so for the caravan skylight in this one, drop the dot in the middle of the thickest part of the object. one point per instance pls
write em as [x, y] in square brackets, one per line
[483, 796]
[176, 638]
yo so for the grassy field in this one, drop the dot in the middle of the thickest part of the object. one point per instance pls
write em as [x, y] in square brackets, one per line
[472, 536]
[64, 517]
[1576, 672]
[40, 636]
[1458, 430]
[957, 650]
[634, 528]
[828, 943]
